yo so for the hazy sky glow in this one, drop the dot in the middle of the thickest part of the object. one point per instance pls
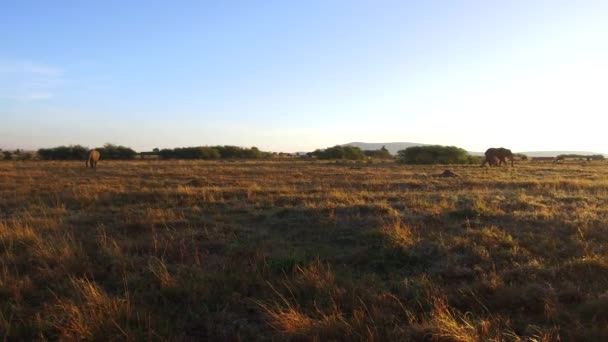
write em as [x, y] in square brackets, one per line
[300, 75]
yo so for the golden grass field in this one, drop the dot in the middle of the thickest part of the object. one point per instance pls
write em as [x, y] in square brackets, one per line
[301, 250]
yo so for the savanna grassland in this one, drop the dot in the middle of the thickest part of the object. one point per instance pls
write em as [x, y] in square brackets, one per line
[301, 250]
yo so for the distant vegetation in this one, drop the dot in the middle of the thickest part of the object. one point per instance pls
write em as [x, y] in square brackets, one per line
[213, 152]
[382, 153]
[110, 151]
[72, 152]
[580, 156]
[118, 152]
[424, 154]
[392, 147]
[520, 156]
[340, 152]
[17, 155]
[435, 154]
[431, 154]
[78, 152]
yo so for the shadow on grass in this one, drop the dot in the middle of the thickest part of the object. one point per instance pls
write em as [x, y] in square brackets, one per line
[231, 270]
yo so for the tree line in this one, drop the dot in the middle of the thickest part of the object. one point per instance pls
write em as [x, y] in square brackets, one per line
[435, 154]
[580, 156]
[213, 152]
[350, 153]
[119, 152]
[431, 154]
[78, 152]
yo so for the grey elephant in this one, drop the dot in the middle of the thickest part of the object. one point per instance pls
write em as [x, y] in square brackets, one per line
[492, 161]
[498, 156]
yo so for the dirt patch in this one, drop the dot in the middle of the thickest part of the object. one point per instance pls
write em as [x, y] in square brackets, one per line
[198, 182]
[448, 173]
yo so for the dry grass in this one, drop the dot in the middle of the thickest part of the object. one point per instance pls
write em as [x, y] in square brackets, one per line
[295, 250]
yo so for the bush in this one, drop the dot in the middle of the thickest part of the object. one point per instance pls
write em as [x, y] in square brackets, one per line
[581, 156]
[382, 153]
[340, 152]
[474, 159]
[435, 154]
[191, 153]
[72, 152]
[78, 152]
[227, 152]
[213, 152]
[166, 153]
[110, 151]
[29, 155]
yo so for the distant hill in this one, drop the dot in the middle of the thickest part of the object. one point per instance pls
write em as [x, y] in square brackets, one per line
[392, 147]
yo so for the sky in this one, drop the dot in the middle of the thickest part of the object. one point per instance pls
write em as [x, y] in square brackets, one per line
[295, 75]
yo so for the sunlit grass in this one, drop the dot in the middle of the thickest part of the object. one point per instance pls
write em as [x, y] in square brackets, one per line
[301, 250]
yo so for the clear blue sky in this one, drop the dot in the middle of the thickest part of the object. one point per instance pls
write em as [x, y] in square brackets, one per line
[300, 75]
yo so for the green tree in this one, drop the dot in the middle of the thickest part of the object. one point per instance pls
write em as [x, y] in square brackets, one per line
[340, 152]
[433, 154]
[382, 153]
[72, 152]
[111, 151]
[213, 152]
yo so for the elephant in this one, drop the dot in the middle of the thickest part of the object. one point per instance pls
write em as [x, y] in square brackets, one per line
[492, 161]
[92, 159]
[498, 156]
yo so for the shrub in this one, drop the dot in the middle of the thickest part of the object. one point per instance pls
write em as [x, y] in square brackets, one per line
[166, 153]
[191, 153]
[72, 152]
[382, 153]
[78, 152]
[111, 151]
[228, 152]
[340, 152]
[434, 154]
[213, 152]
[580, 157]
[29, 155]
[474, 159]
[208, 153]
